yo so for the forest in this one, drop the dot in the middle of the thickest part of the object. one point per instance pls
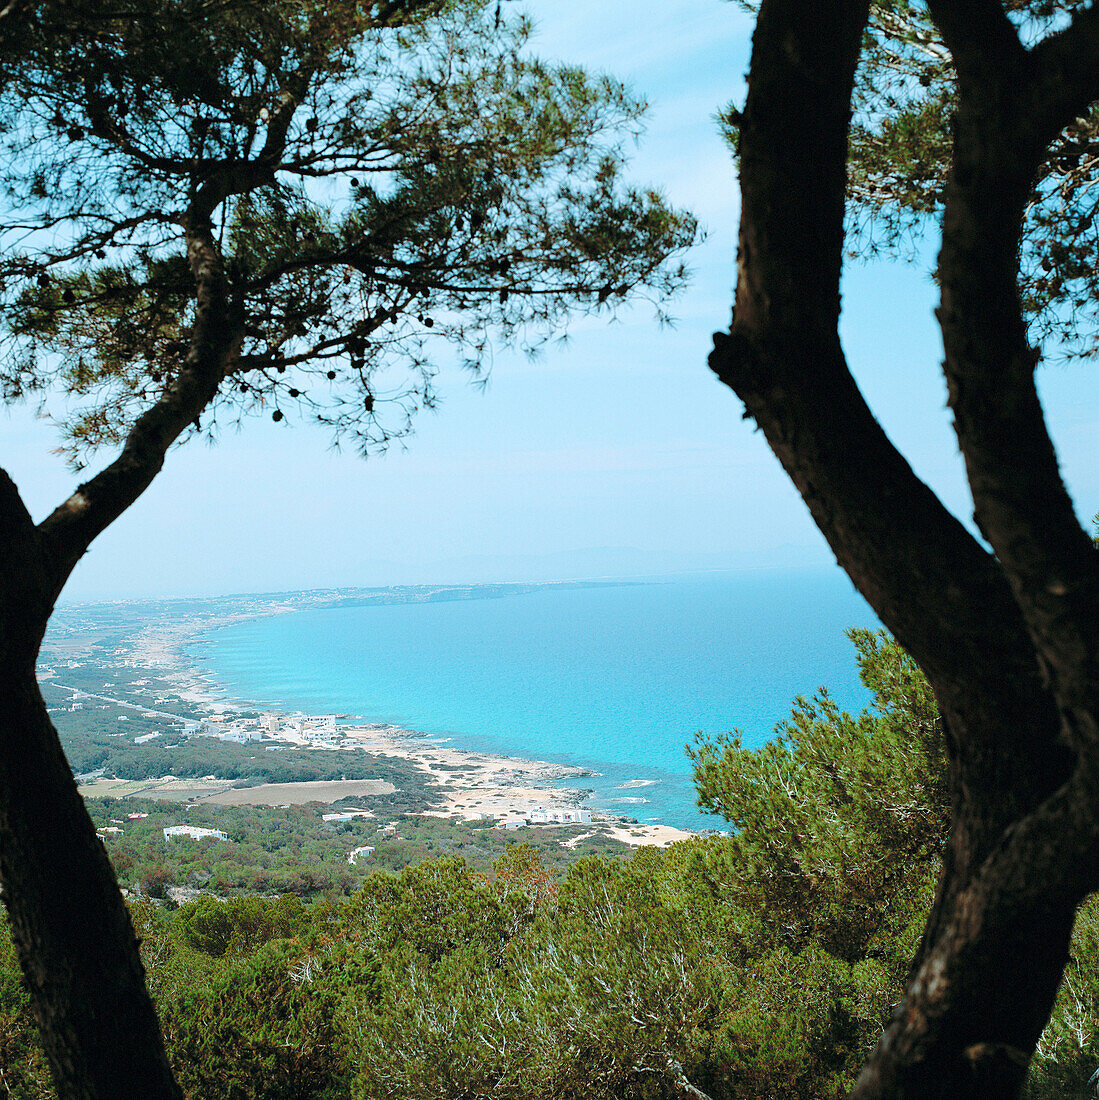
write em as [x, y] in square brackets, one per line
[758, 965]
[292, 849]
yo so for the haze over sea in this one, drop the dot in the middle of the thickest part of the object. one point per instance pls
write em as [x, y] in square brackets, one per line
[614, 678]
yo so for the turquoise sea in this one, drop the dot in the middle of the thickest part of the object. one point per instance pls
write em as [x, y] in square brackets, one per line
[614, 678]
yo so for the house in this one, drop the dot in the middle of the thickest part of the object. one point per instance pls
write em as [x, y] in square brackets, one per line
[241, 737]
[347, 815]
[193, 831]
[364, 850]
[571, 815]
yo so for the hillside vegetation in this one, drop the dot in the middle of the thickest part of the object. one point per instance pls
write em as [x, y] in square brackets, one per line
[756, 966]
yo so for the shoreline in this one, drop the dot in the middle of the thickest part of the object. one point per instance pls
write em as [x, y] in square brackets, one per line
[472, 784]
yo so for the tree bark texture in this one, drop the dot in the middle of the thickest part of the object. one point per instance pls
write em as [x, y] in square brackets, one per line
[74, 937]
[987, 630]
[69, 923]
[68, 920]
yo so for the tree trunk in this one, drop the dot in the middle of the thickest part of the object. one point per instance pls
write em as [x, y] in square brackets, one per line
[71, 929]
[68, 920]
[1024, 845]
[74, 937]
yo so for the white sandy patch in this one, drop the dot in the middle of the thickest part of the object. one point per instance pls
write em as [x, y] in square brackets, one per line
[474, 785]
[295, 794]
[659, 836]
[166, 788]
[475, 802]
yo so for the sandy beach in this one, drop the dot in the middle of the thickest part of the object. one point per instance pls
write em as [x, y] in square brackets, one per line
[472, 785]
[478, 785]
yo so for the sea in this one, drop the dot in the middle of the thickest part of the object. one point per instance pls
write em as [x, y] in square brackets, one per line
[614, 678]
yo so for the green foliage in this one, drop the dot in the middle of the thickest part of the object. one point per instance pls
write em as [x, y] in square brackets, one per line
[1068, 1052]
[23, 1069]
[593, 992]
[837, 817]
[435, 909]
[291, 849]
[265, 1029]
[838, 825]
[900, 156]
[389, 182]
[239, 926]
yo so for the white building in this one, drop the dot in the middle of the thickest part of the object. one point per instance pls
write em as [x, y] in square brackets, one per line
[353, 855]
[241, 736]
[568, 815]
[346, 815]
[192, 831]
[572, 815]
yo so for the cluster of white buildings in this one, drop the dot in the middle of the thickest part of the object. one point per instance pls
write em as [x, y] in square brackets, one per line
[566, 815]
[316, 730]
[239, 731]
[193, 831]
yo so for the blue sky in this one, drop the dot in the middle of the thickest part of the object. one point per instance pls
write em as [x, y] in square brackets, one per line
[618, 454]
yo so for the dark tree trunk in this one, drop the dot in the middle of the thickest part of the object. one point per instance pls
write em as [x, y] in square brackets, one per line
[68, 920]
[69, 923]
[988, 631]
[74, 937]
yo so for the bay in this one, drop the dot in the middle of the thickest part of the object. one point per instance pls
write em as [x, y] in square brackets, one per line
[615, 678]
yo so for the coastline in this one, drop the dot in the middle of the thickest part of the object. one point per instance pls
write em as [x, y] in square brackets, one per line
[471, 784]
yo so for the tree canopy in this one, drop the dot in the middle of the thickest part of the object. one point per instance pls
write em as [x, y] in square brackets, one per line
[216, 208]
[904, 101]
[1002, 625]
[383, 185]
